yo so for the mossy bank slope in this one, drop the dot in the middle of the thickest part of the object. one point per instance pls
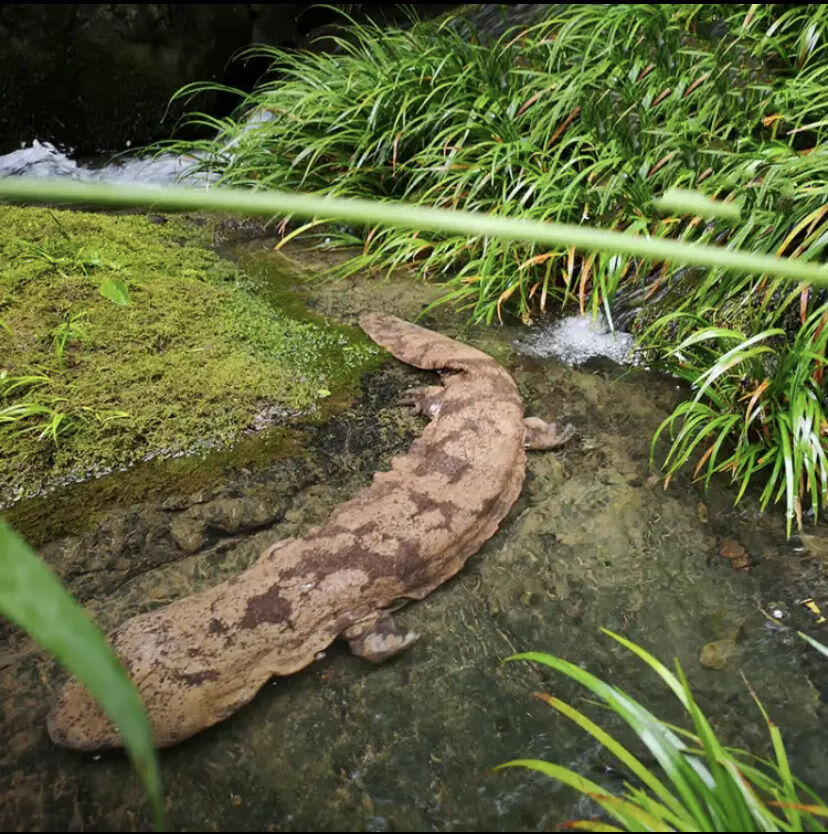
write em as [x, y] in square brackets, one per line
[122, 338]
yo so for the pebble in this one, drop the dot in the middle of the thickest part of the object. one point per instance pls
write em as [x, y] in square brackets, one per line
[736, 553]
[187, 533]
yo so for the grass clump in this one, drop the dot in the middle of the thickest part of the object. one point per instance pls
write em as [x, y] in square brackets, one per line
[699, 784]
[586, 117]
[758, 406]
[124, 339]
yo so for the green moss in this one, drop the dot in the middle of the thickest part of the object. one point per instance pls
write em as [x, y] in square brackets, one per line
[187, 363]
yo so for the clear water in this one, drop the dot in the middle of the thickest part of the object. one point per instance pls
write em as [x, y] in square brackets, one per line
[593, 541]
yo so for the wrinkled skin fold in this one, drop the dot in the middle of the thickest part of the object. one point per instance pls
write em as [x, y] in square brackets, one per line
[200, 659]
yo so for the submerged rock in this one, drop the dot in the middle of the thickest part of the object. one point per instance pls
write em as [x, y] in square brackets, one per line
[718, 654]
[190, 530]
[815, 545]
[735, 552]
[187, 533]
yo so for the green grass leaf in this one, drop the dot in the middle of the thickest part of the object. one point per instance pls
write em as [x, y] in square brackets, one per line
[685, 201]
[820, 647]
[32, 597]
[115, 290]
[714, 788]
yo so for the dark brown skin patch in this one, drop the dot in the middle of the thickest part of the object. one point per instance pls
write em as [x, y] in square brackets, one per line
[200, 659]
[426, 503]
[268, 607]
[196, 678]
[452, 466]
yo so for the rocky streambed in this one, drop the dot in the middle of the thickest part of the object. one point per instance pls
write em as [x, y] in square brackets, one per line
[594, 541]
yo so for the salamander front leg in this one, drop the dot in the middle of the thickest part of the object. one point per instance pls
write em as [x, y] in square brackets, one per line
[377, 637]
[543, 435]
[425, 401]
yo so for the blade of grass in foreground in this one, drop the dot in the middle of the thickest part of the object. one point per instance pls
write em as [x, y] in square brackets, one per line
[671, 817]
[32, 597]
[709, 787]
[178, 198]
[687, 777]
[684, 201]
[820, 647]
[633, 817]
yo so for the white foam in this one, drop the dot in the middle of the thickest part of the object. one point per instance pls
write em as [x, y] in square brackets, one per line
[575, 339]
[37, 160]
[43, 159]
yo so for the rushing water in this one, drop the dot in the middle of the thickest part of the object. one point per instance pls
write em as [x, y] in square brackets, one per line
[43, 159]
[594, 541]
[575, 339]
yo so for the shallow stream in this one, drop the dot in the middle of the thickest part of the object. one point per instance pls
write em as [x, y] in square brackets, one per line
[593, 541]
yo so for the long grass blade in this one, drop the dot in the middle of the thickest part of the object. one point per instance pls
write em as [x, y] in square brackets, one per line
[32, 597]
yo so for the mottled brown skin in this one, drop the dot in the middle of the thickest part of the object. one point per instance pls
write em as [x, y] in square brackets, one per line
[198, 660]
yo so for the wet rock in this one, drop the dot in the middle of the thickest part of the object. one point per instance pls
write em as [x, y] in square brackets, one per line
[490, 21]
[815, 545]
[232, 229]
[125, 544]
[202, 496]
[187, 533]
[175, 502]
[190, 530]
[234, 515]
[716, 655]
[737, 555]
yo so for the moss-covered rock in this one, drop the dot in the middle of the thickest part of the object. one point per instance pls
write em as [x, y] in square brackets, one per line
[190, 361]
